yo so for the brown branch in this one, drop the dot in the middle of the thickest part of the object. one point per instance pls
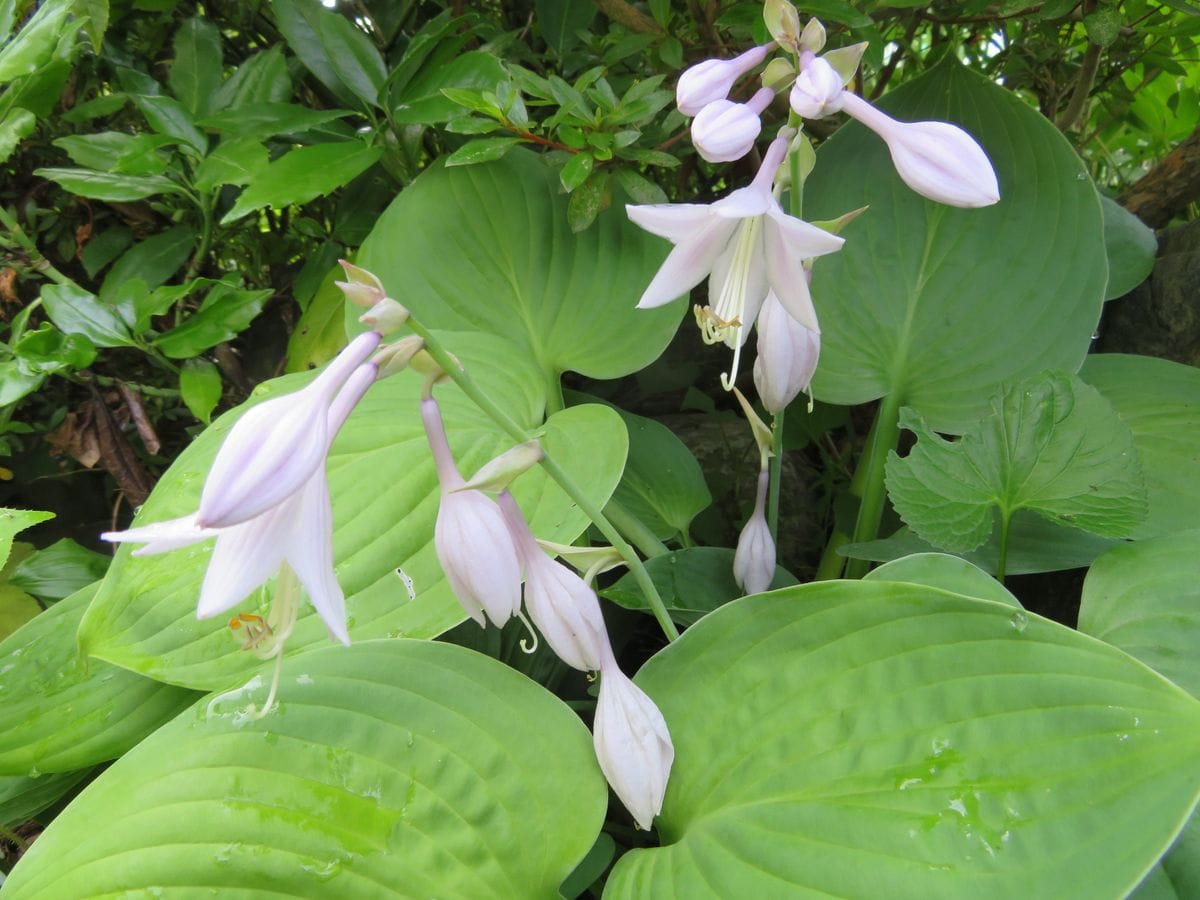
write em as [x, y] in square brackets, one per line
[624, 14]
[1167, 189]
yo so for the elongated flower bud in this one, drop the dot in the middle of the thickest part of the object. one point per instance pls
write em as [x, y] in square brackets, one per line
[787, 356]
[273, 449]
[632, 743]
[754, 560]
[471, 538]
[936, 159]
[713, 79]
[725, 131]
[818, 89]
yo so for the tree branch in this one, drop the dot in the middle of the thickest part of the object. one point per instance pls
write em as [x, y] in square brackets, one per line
[1163, 192]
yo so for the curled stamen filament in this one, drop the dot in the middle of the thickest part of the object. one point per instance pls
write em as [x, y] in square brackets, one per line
[527, 647]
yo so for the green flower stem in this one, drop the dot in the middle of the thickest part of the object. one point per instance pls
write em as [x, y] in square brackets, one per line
[635, 529]
[460, 377]
[776, 472]
[883, 437]
[40, 262]
[832, 563]
[1002, 560]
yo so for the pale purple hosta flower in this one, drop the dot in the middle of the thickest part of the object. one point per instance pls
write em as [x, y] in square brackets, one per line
[818, 90]
[787, 356]
[472, 541]
[276, 446]
[936, 159]
[754, 560]
[725, 131]
[712, 79]
[297, 530]
[632, 744]
[562, 606]
[746, 245]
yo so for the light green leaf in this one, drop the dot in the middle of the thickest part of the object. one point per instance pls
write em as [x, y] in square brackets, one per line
[33, 46]
[1160, 402]
[16, 125]
[59, 711]
[22, 797]
[16, 608]
[948, 573]
[235, 161]
[565, 301]
[297, 22]
[46, 350]
[385, 497]
[586, 201]
[117, 152]
[303, 174]
[109, 186]
[200, 387]
[97, 20]
[321, 331]
[1051, 444]
[481, 150]
[195, 73]
[1131, 248]
[170, 117]
[836, 737]
[263, 78]
[576, 171]
[1145, 598]
[423, 101]
[152, 261]
[391, 769]
[264, 119]
[352, 56]
[941, 305]
[59, 570]
[75, 311]
[225, 313]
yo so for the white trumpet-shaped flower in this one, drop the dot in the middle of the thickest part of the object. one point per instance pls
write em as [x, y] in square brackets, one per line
[471, 538]
[632, 744]
[297, 530]
[787, 356]
[818, 89]
[746, 245]
[713, 79]
[725, 131]
[754, 560]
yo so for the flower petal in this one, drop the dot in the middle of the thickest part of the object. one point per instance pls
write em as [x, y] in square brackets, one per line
[243, 558]
[674, 221]
[785, 265]
[162, 537]
[310, 554]
[688, 264]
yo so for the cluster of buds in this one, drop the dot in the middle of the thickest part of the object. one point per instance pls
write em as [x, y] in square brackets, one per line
[486, 549]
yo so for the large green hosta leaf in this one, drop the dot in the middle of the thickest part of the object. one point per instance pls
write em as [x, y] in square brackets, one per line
[1160, 402]
[59, 711]
[488, 248]
[385, 497]
[390, 769]
[938, 304]
[868, 739]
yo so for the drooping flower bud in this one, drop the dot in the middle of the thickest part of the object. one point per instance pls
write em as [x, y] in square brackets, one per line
[395, 357]
[385, 316]
[632, 743]
[754, 559]
[787, 356]
[497, 474]
[818, 89]
[471, 538]
[273, 449]
[936, 159]
[712, 79]
[725, 131]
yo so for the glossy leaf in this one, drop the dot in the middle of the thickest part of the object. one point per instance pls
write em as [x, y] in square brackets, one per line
[109, 186]
[1131, 247]
[235, 161]
[224, 314]
[195, 73]
[941, 305]
[559, 20]
[1160, 402]
[385, 498]
[15, 126]
[200, 387]
[352, 56]
[297, 21]
[14, 521]
[1051, 444]
[33, 46]
[170, 117]
[947, 573]
[565, 301]
[152, 261]
[60, 711]
[301, 175]
[836, 737]
[423, 102]
[266, 118]
[262, 78]
[391, 769]
[481, 150]
[118, 152]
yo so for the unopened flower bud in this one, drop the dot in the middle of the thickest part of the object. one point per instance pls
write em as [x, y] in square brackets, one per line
[818, 90]
[759, 428]
[936, 159]
[713, 79]
[754, 559]
[725, 131]
[783, 22]
[385, 316]
[497, 474]
[812, 38]
[361, 288]
[787, 356]
[396, 357]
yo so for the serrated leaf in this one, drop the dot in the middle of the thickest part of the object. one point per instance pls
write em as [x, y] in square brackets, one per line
[559, 20]
[481, 150]
[225, 313]
[262, 78]
[1160, 402]
[298, 22]
[152, 261]
[424, 100]
[235, 161]
[391, 769]
[16, 125]
[168, 116]
[61, 712]
[200, 387]
[117, 152]
[928, 301]
[564, 301]
[1131, 247]
[836, 737]
[303, 174]
[108, 186]
[1051, 444]
[351, 55]
[264, 118]
[384, 491]
[33, 46]
[195, 73]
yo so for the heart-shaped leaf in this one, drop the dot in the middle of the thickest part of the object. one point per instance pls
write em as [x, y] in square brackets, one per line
[940, 305]
[385, 498]
[488, 248]
[390, 769]
[847, 738]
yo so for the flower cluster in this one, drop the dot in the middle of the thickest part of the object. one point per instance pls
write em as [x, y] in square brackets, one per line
[486, 550]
